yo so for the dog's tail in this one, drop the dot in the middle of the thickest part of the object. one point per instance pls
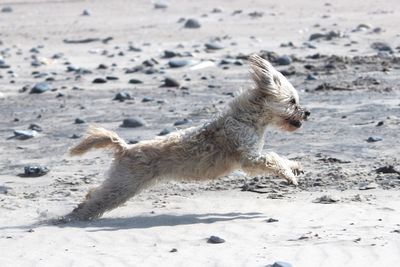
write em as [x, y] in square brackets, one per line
[97, 137]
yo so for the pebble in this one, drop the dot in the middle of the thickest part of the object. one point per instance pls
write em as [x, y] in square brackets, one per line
[271, 220]
[363, 27]
[170, 82]
[122, 96]
[147, 99]
[373, 139]
[35, 127]
[161, 4]
[284, 60]
[192, 24]
[326, 199]
[112, 78]
[166, 131]
[169, 54]
[311, 77]
[214, 46]
[173, 250]
[85, 12]
[34, 171]
[177, 63]
[79, 121]
[24, 134]
[381, 46]
[216, 10]
[135, 81]
[7, 9]
[215, 240]
[99, 80]
[387, 169]
[41, 88]
[182, 122]
[133, 123]
[368, 185]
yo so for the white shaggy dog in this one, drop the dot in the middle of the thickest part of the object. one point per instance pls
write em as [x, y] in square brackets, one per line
[232, 141]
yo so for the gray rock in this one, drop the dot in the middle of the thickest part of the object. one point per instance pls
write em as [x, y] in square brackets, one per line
[381, 46]
[311, 77]
[368, 185]
[133, 123]
[112, 78]
[85, 13]
[147, 99]
[161, 5]
[215, 240]
[99, 80]
[135, 81]
[79, 121]
[6, 9]
[24, 134]
[192, 24]
[169, 54]
[35, 127]
[166, 131]
[41, 88]
[316, 36]
[122, 96]
[326, 199]
[271, 220]
[34, 171]
[281, 264]
[182, 122]
[284, 60]
[170, 82]
[177, 63]
[373, 139]
[214, 46]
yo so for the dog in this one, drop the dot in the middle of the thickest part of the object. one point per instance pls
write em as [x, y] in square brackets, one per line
[234, 140]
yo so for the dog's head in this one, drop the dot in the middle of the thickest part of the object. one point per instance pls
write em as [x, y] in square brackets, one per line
[280, 99]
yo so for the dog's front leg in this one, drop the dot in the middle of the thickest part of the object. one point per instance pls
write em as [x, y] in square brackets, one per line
[270, 163]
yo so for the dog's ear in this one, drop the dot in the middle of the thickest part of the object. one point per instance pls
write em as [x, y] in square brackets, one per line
[264, 74]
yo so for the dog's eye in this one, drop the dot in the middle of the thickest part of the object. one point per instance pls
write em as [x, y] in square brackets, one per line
[293, 101]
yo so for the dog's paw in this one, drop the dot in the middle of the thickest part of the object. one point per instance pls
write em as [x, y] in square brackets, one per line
[296, 168]
[290, 177]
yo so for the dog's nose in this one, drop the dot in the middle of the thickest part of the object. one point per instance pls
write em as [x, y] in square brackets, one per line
[307, 113]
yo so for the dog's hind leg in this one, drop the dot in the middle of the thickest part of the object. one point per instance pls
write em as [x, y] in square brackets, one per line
[114, 191]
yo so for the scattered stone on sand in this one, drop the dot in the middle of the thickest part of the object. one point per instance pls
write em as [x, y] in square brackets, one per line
[4, 189]
[326, 199]
[161, 4]
[40, 88]
[169, 54]
[326, 36]
[35, 127]
[122, 96]
[99, 80]
[171, 82]
[79, 121]
[192, 24]
[368, 185]
[133, 123]
[311, 77]
[214, 45]
[6, 9]
[24, 134]
[85, 12]
[173, 250]
[216, 10]
[34, 171]
[362, 27]
[382, 47]
[87, 40]
[215, 240]
[166, 131]
[373, 139]
[272, 220]
[330, 87]
[135, 81]
[112, 78]
[256, 14]
[387, 169]
[177, 63]
[75, 136]
[147, 99]
[284, 60]
[182, 122]
[334, 160]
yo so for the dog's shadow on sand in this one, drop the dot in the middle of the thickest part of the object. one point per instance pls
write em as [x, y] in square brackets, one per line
[150, 221]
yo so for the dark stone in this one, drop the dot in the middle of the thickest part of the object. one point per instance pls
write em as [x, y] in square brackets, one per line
[215, 240]
[41, 88]
[7, 9]
[102, 67]
[135, 81]
[169, 54]
[326, 199]
[85, 13]
[79, 121]
[177, 63]
[311, 77]
[35, 127]
[381, 46]
[34, 171]
[122, 96]
[271, 220]
[316, 36]
[214, 46]
[182, 122]
[192, 24]
[166, 131]
[24, 134]
[147, 99]
[284, 60]
[373, 139]
[173, 250]
[99, 80]
[112, 78]
[387, 169]
[170, 82]
[133, 123]
[281, 264]
[161, 5]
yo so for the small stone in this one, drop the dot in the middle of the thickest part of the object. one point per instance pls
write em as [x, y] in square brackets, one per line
[281, 264]
[177, 63]
[147, 99]
[112, 78]
[24, 134]
[75, 136]
[173, 250]
[316, 36]
[387, 169]
[41, 88]
[182, 122]
[215, 240]
[7, 9]
[135, 81]
[381, 46]
[79, 121]
[34, 171]
[284, 60]
[214, 46]
[192, 24]
[35, 127]
[326, 199]
[271, 220]
[368, 186]
[132, 123]
[161, 4]
[122, 96]
[311, 77]
[373, 139]
[85, 12]
[170, 82]
[216, 10]
[380, 123]
[169, 54]
[166, 131]
[102, 67]
[363, 27]
[99, 80]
